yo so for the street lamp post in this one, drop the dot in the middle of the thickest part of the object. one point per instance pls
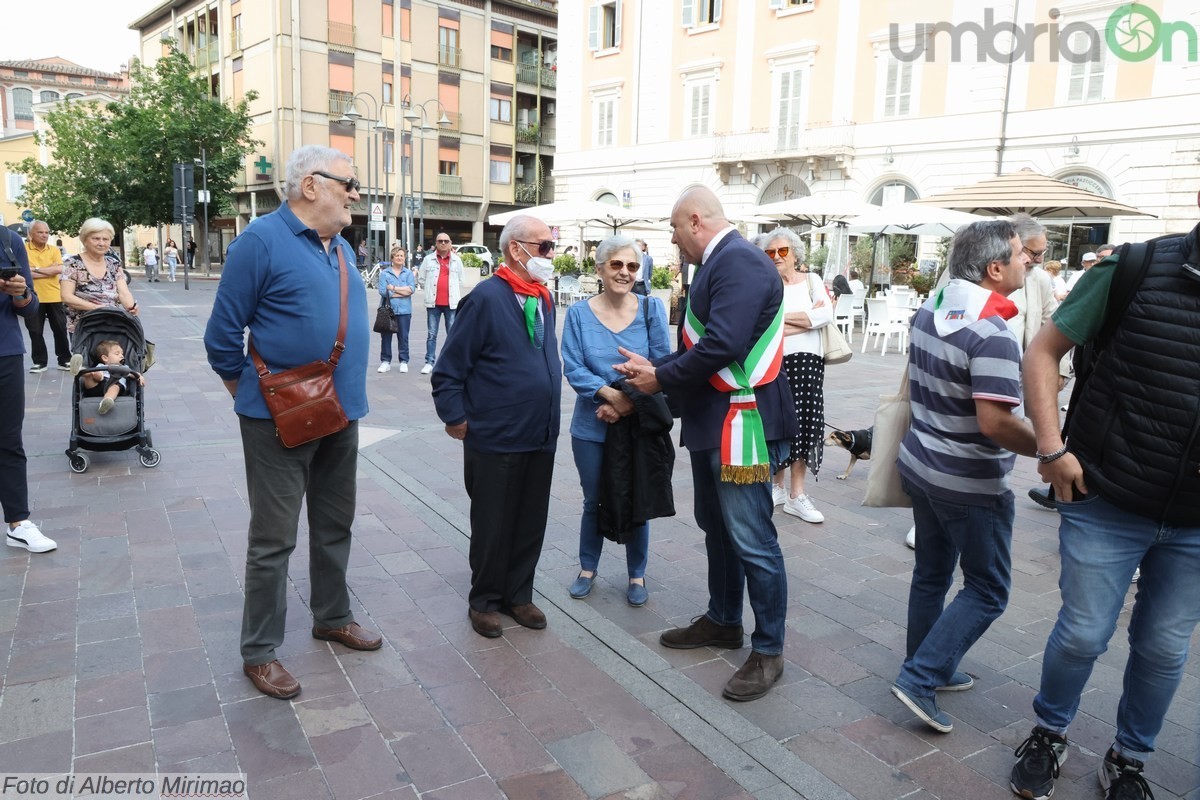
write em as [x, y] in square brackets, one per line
[203, 162]
[412, 117]
[375, 124]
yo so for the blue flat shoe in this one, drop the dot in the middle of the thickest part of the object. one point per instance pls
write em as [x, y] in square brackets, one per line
[582, 586]
[636, 594]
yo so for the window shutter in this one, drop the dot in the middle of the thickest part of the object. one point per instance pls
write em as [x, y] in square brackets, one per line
[889, 93]
[594, 28]
[688, 18]
[617, 24]
[902, 104]
[716, 11]
[704, 115]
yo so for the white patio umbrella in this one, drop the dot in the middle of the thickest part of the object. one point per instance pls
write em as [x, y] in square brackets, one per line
[588, 212]
[911, 219]
[825, 212]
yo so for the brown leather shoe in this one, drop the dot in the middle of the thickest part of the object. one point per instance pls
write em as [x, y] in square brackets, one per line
[703, 632]
[528, 615]
[754, 678]
[272, 680]
[354, 636]
[486, 623]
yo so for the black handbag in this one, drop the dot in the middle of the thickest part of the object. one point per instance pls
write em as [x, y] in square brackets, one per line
[385, 320]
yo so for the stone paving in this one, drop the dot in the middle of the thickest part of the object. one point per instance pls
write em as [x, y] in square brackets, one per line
[120, 653]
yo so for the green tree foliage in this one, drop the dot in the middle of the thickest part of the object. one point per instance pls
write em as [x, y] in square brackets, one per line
[115, 160]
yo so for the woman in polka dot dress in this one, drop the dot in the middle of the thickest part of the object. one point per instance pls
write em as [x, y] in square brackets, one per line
[807, 307]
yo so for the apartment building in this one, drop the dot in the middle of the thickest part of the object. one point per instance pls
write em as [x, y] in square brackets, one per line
[447, 108]
[881, 100]
[28, 89]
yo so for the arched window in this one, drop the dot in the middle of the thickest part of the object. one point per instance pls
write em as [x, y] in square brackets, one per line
[49, 96]
[893, 193]
[609, 198]
[22, 103]
[73, 95]
[1087, 182]
[784, 187]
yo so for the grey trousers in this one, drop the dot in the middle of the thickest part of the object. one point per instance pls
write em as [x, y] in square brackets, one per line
[278, 481]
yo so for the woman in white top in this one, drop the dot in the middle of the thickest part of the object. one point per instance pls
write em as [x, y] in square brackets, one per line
[807, 308]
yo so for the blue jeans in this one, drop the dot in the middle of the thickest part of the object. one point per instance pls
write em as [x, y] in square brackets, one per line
[977, 538]
[1100, 546]
[743, 548]
[589, 458]
[403, 322]
[432, 315]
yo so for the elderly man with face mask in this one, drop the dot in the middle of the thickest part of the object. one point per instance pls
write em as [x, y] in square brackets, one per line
[497, 386]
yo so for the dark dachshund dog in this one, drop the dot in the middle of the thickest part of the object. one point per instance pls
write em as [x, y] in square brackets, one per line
[857, 442]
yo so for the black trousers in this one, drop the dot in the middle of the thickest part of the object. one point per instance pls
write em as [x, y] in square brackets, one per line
[14, 481]
[57, 316]
[510, 497]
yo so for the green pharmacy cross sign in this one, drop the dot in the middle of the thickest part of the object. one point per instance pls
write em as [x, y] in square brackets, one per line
[262, 169]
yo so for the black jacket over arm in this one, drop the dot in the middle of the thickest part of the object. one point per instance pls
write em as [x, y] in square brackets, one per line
[639, 457]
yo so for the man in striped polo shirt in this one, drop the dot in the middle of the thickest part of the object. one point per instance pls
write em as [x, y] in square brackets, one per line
[964, 379]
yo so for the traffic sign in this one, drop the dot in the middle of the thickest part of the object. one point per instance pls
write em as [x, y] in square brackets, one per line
[378, 225]
[413, 204]
[27, 215]
[376, 212]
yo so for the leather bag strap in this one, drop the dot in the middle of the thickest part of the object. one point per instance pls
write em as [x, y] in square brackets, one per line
[339, 345]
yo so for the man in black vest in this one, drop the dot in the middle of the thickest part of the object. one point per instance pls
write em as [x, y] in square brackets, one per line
[1128, 492]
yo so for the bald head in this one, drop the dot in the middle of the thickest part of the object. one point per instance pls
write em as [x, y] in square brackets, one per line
[696, 218]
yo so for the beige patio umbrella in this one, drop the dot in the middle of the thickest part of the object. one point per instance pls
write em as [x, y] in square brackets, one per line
[1041, 197]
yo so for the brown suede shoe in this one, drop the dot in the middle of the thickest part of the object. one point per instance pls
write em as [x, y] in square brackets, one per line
[754, 678]
[703, 632]
[272, 680]
[528, 615]
[486, 623]
[354, 636]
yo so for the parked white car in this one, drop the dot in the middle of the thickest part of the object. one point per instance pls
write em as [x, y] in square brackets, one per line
[481, 252]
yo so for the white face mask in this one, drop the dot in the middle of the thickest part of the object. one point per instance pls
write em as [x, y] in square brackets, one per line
[540, 269]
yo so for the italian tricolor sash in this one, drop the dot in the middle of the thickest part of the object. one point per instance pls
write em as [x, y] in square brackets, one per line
[743, 440]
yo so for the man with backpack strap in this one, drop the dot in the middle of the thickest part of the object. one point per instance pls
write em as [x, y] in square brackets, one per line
[1127, 478]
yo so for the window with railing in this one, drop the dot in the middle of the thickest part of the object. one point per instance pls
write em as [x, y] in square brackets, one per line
[341, 37]
[339, 102]
[527, 72]
[450, 184]
[449, 53]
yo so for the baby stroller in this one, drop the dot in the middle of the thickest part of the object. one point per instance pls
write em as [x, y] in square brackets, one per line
[125, 425]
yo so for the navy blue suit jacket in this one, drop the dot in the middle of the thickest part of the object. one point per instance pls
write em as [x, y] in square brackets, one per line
[735, 294]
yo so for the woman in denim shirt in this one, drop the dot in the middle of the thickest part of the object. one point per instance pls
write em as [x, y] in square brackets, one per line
[398, 283]
[593, 331]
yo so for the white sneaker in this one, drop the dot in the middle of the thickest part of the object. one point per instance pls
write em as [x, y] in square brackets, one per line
[385, 366]
[778, 494]
[404, 366]
[803, 508]
[27, 535]
[76, 363]
[428, 368]
[910, 538]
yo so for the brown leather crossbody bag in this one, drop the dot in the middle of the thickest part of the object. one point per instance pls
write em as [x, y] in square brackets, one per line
[303, 401]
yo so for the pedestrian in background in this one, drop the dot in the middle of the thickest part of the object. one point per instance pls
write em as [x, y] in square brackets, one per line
[171, 255]
[150, 262]
[592, 335]
[46, 265]
[191, 252]
[297, 246]
[498, 389]
[441, 275]
[396, 285]
[16, 300]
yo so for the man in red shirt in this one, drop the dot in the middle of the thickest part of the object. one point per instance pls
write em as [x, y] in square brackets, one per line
[441, 274]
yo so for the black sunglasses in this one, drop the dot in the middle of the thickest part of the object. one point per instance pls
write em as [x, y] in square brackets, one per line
[350, 183]
[544, 248]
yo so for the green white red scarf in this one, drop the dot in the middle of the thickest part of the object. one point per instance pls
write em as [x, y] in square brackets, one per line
[744, 456]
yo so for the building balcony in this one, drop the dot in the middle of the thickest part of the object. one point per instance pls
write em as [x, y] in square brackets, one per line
[529, 133]
[548, 77]
[341, 37]
[450, 57]
[528, 74]
[450, 184]
[339, 103]
[525, 193]
[783, 144]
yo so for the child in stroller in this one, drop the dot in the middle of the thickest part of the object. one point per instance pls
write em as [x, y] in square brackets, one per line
[108, 395]
[109, 384]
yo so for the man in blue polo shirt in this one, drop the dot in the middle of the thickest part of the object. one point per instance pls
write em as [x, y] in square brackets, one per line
[965, 384]
[282, 281]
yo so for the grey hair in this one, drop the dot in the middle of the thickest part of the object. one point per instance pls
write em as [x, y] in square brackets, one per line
[613, 245]
[96, 225]
[793, 238]
[1109, 247]
[307, 159]
[516, 229]
[1027, 227]
[976, 245]
[39, 222]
